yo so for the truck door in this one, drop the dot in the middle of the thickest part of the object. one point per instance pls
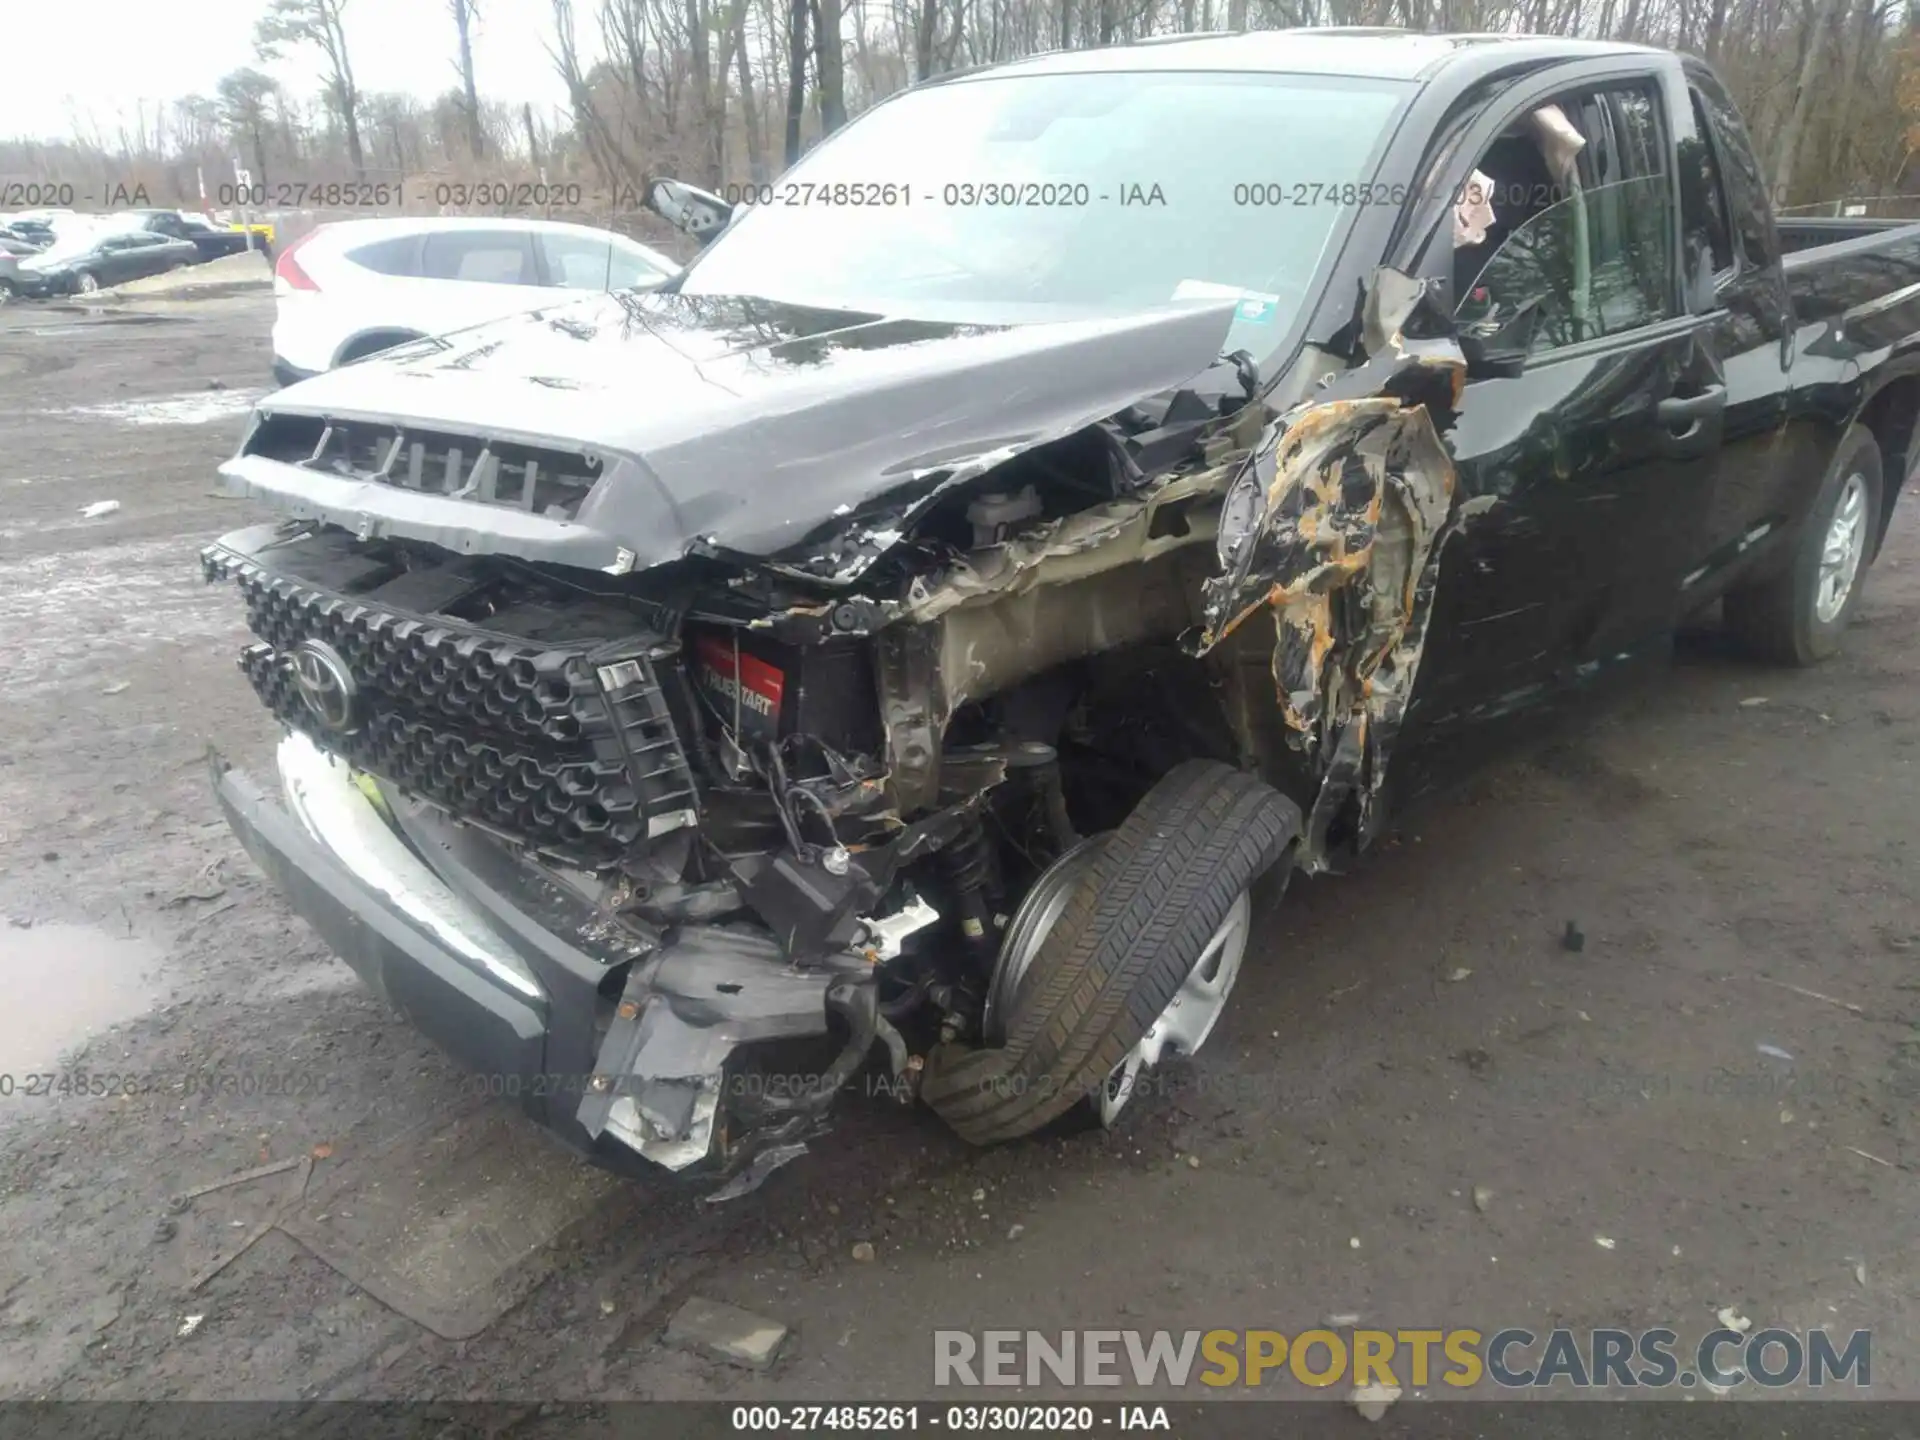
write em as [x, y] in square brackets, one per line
[1587, 436]
[1733, 262]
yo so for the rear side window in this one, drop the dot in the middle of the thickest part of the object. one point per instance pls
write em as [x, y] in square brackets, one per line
[487, 257]
[579, 262]
[1703, 195]
[398, 256]
[1747, 189]
[1580, 246]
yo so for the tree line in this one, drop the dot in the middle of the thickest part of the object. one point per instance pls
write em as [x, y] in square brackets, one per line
[724, 92]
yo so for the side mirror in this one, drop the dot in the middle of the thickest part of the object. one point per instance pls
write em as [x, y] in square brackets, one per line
[1486, 363]
[689, 209]
[1499, 351]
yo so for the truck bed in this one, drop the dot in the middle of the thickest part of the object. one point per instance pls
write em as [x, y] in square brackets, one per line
[1852, 270]
[1803, 239]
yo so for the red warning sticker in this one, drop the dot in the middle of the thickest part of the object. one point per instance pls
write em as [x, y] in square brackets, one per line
[759, 686]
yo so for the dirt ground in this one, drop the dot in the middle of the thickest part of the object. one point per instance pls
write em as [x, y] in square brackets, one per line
[1733, 845]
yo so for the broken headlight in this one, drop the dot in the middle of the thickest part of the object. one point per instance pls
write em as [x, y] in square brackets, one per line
[1240, 515]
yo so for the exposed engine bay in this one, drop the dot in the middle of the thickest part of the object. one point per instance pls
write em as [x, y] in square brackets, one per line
[790, 806]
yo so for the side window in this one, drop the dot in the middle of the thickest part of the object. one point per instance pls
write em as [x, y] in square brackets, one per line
[398, 256]
[1747, 189]
[486, 257]
[630, 270]
[1579, 241]
[1703, 197]
[579, 262]
[575, 262]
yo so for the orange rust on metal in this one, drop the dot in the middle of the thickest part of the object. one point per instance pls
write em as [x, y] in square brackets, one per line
[1313, 464]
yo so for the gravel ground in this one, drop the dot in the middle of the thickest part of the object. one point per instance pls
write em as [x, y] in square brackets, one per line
[1736, 845]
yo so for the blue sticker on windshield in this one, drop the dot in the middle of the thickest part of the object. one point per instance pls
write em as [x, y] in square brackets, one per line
[1256, 312]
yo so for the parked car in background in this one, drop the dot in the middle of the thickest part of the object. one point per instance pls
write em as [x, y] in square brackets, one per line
[85, 263]
[23, 242]
[352, 289]
[209, 241]
[263, 232]
[30, 232]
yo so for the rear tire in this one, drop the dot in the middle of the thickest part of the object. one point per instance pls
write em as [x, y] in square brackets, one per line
[373, 344]
[1798, 616]
[1128, 937]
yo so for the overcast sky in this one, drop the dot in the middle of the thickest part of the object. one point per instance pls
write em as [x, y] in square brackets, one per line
[66, 60]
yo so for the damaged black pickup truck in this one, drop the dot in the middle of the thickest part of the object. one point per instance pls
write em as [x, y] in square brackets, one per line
[896, 648]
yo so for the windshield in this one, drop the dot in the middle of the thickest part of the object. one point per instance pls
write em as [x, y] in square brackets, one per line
[1048, 196]
[67, 244]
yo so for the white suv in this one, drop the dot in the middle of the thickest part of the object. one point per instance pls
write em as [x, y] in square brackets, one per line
[346, 290]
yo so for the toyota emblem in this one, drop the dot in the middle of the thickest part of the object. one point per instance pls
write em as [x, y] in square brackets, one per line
[326, 684]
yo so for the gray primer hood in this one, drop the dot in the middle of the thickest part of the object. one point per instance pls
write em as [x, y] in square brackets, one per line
[739, 423]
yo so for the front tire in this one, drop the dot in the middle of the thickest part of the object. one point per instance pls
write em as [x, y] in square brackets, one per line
[1798, 616]
[1154, 905]
[85, 283]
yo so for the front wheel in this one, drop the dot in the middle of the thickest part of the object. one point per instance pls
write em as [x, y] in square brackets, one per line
[1797, 617]
[1125, 951]
[86, 282]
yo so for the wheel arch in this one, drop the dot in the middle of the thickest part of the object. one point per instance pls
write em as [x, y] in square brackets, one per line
[1891, 413]
[371, 341]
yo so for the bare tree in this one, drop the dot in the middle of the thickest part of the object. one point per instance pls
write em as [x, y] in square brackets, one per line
[1821, 17]
[243, 97]
[591, 126]
[756, 154]
[465, 12]
[796, 74]
[710, 116]
[829, 64]
[317, 24]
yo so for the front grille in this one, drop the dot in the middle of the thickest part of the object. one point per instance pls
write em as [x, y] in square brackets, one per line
[537, 479]
[569, 748]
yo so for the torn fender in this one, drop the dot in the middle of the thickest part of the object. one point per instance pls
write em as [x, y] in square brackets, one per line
[1355, 497]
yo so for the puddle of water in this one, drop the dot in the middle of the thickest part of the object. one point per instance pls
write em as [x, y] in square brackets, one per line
[197, 408]
[65, 984]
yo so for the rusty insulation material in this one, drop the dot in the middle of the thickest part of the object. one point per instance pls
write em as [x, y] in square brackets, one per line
[1356, 497]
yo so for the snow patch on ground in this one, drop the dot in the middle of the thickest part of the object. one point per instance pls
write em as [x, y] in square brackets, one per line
[63, 616]
[197, 408]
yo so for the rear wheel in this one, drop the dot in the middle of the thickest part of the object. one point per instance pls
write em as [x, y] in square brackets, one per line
[1124, 952]
[373, 344]
[1798, 616]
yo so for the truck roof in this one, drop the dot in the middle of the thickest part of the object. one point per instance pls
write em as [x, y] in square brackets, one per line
[1383, 54]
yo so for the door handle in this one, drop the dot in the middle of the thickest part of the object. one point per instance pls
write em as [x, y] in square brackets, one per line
[1683, 412]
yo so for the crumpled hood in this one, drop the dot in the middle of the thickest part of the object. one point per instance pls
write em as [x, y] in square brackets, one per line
[738, 422]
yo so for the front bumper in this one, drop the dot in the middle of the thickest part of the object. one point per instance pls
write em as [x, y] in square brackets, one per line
[628, 1069]
[41, 287]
